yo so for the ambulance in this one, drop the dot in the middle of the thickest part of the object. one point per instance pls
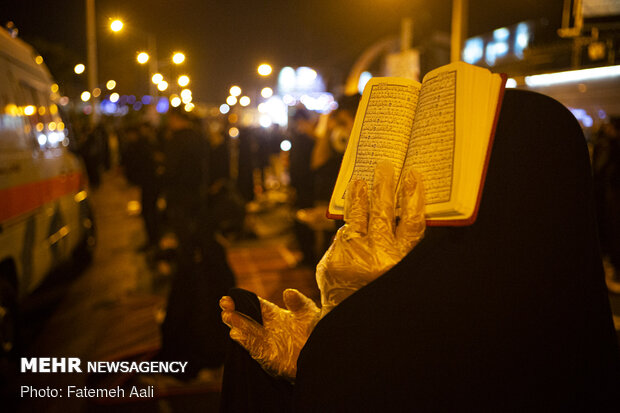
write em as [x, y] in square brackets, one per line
[45, 218]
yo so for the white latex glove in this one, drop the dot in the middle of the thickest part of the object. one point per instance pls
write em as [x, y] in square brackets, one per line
[370, 243]
[275, 344]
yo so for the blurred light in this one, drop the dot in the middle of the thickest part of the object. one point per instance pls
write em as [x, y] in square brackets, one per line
[53, 109]
[262, 107]
[39, 127]
[42, 110]
[178, 58]
[265, 121]
[602, 114]
[522, 39]
[142, 57]
[51, 126]
[231, 100]
[96, 92]
[42, 139]
[88, 109]
[146, 99]
[233, 118]
[137, 106]
[79, 68]
[54, 88]
[501, 34]
[189, 107]
[235, 91]
[157, 77]
[60, 126]
[131, 99]
[573, 76]
[162, 105]
[39, 60]
[163, 85]
[511, 83]
[64, 101]
[183, 80]
[111, 84]
[224, 108]
[305, 77]
[286, 145]
[114, 97]
[361, 83]
[233, 132]
[53, 138]
[175, 102]
[116, 25]
[186, 94]
[289, 100]
[264, 69]
[474, 50]
[286, 79]
[29, 110]
[85, 96]
[244, 101]
[588, 122]
[267, 92]
[277, 110]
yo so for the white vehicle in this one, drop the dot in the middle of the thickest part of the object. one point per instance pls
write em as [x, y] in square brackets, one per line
[44, 212]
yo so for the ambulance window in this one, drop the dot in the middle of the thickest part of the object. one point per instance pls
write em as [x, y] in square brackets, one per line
[13, 134]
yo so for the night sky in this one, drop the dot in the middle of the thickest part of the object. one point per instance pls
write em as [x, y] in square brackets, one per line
[226, 40]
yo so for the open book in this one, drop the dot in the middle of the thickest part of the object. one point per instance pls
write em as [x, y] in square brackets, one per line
[442, 127]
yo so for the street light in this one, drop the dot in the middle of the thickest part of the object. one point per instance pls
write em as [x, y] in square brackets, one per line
[85, 96]
[231, 100]
[264, 69]
[111, 84]
[235, 91]
[79, 68]
[267, 92]
[178, 58]
[157, 77]
[244, 101]
[116, 25]
[142, 57]
[163, 85]
[183, 80]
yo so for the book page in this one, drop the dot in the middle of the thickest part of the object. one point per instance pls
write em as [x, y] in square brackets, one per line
[386, 128]
[431, 151]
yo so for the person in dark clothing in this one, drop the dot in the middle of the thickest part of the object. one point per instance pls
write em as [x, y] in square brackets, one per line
[191, 330]
[606, 174]
[302, 179]
[509, 314]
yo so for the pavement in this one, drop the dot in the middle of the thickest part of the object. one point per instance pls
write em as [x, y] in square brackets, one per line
[112, 309]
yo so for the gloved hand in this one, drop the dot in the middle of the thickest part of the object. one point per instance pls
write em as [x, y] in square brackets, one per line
[275, 344]
[370, 243]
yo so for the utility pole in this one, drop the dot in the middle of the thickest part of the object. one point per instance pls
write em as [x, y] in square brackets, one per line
[91, 49]
[459, 28]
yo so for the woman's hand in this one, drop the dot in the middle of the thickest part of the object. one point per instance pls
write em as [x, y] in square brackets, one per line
[370, 243]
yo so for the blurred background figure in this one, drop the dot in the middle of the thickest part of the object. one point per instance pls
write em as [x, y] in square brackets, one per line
[191, 330]
[606, 173]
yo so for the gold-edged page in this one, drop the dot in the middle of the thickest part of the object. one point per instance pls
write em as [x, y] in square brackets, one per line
[433, 150]
[381, 130]
[488, 85]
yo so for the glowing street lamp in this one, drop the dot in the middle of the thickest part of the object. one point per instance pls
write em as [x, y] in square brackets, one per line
[183, 80]
[175, 101]
[178, 58]
[79, 68]
[116, 25]
[244, 101]
[231, 100]
[235, 91]
[163, 85]
[111, 84]
[267, 92]
[142, 57]
[157, 77]
[85, 96]
[264, 69]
